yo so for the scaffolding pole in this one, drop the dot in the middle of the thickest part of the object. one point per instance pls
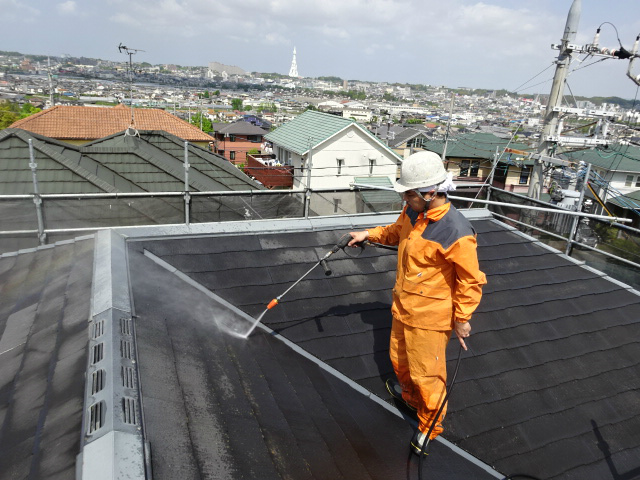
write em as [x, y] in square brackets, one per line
[42, 236]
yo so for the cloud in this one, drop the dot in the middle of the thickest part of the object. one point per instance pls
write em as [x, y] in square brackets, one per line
[15, 10]
[68, 7]
[125, 19]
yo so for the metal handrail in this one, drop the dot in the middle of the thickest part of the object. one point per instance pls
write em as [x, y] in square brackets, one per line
[45, 197]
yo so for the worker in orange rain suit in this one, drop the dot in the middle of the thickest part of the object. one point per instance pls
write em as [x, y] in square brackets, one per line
[438, 286]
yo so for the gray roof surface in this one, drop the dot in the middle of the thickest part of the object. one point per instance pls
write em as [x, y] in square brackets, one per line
[241, 128]
[43, 353]
[218, 406]
[549, 387]
[154, 161]
[405, 135]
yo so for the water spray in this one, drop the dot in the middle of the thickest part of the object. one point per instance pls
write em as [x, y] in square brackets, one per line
[344, 241]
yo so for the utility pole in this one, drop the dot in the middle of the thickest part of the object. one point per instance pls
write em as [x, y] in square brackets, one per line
[555, 97]
[307, 193]
[446, 136]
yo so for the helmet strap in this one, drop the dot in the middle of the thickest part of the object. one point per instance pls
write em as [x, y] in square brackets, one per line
[428, 201]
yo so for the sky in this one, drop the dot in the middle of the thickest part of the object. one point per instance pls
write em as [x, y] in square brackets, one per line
[490, 44]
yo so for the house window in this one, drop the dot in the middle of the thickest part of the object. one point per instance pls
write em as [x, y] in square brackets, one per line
[232, 155]
[638, 181]
[629, 181]
[475, 166]
[232, 138]
[372, 162]
[340, 165]
[464, 168]
[524, 175]
[254, 138]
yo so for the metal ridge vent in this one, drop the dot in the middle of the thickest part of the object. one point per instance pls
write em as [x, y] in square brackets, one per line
[113, 444]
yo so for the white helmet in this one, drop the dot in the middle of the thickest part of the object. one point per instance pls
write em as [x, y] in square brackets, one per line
[419, 170]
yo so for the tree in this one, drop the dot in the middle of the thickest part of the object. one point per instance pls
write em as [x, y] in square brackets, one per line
[236, 104]
[389, 97]
[267, 107]
[7, 116]
[27, 110]
[207, 126]
[11, 112]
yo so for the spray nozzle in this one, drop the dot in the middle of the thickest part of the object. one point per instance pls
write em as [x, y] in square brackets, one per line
[325, 266]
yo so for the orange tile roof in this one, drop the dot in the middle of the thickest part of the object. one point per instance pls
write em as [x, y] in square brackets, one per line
[90, 123]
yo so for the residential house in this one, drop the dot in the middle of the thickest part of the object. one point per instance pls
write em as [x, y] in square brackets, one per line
[408, 141]
[615, 173]
[357, 111]
[81, 125]
[258, 121]
[329, 152]
[233, 141]
[470, 157]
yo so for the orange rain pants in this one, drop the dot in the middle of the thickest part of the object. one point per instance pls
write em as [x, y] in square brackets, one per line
[418, 358]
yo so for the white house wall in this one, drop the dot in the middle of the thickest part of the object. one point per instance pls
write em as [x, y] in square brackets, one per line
[355, 148]
[618, 181]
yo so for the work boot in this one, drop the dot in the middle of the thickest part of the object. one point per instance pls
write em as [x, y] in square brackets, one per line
[417, 443]
[394, 388]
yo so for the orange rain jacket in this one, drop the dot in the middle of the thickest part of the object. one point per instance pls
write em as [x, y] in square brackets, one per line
[438, 279]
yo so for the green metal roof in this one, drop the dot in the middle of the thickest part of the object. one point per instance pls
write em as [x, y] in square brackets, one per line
[307, 130]
[313, 128]
[477, 145]
[377, 196]
[628, 201]
[621, 158]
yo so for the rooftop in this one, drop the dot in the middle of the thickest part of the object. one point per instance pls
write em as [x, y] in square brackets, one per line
[548, 387]
[90, 123]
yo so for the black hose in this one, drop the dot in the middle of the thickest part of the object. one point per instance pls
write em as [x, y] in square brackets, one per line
[435, 419]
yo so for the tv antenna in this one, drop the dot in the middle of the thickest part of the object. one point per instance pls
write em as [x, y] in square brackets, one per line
[131, 52]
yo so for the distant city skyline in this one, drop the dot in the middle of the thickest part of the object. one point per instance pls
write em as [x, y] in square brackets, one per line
[494, 44]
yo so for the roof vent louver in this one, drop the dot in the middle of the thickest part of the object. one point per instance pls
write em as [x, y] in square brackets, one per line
[96, 417]
[98, 329]
[129, 415]
[126, 349]
[97, 353]
[125, 326]
[128, 377]
[97, 381]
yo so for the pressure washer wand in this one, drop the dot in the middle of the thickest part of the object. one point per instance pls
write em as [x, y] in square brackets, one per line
[344, 241]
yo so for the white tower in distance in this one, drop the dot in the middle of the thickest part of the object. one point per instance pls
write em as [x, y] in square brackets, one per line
[293, 71]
